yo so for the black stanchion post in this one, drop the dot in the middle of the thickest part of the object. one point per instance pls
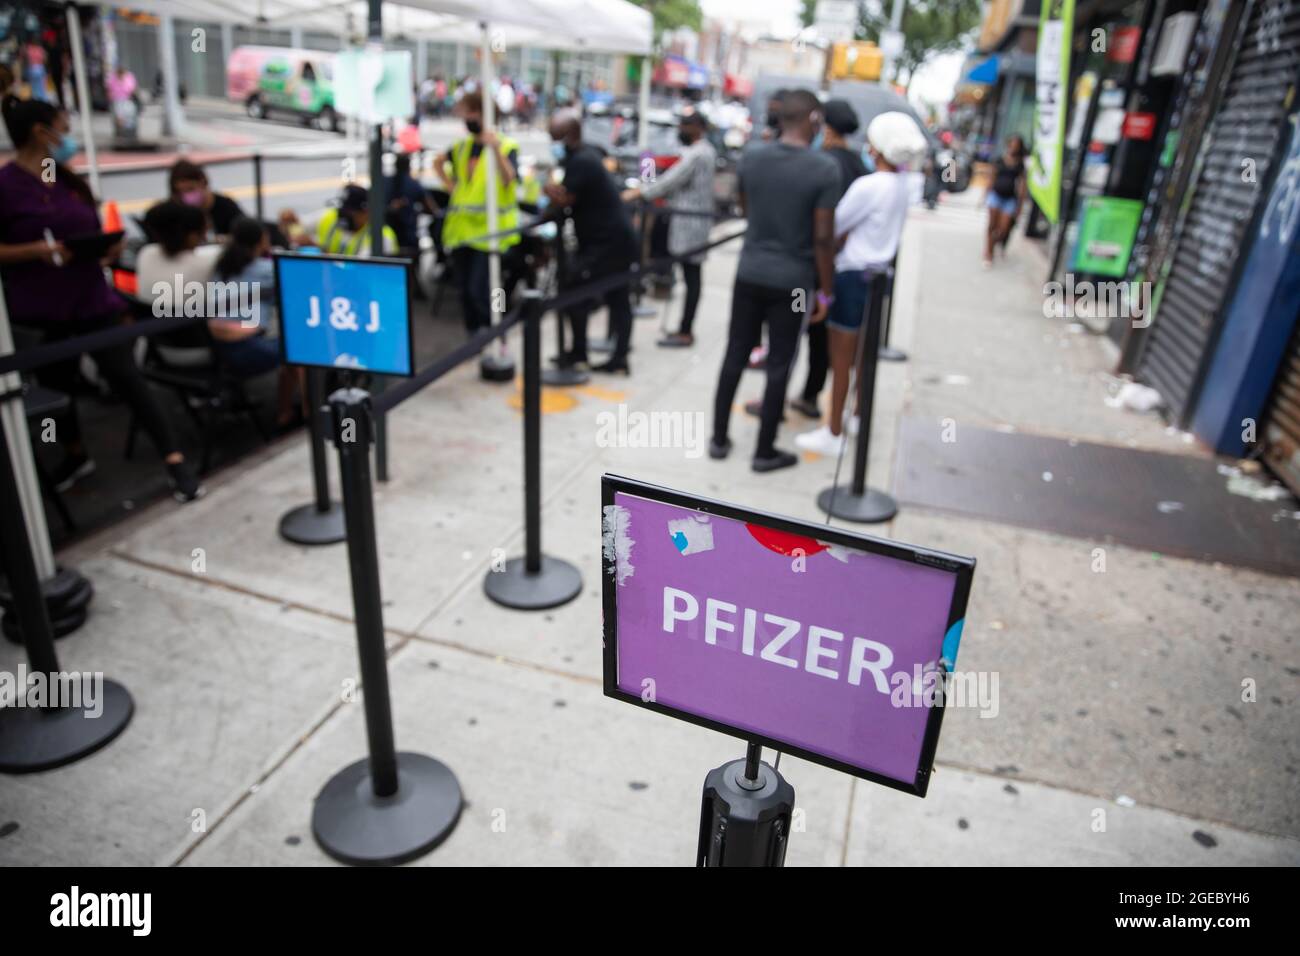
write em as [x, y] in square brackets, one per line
[887, 352]
[77, 713]
[858, 502]
[257, 186]
[745, 814]
[320, 522]
[391, 806]
[560, 375]
[535, 581]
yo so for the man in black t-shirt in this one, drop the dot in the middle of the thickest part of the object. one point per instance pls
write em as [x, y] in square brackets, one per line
[606, 242]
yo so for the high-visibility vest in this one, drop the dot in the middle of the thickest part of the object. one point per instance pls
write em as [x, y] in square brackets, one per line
[332, 237]
[466, 218]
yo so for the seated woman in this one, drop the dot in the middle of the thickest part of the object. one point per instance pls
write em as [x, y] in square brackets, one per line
[42, 205]
[243, 340]
[179, 233]
[188, 183]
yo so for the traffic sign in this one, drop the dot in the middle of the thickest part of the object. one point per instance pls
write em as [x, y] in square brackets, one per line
[345, 312]
[816, 641]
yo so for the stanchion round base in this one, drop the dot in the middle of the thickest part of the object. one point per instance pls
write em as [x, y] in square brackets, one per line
[888, 353]
[600, 345]
[558, 582]
[645, 311]
[353, 825]
[562, 377]
[871, 507]
[307, 524]
[35, 738]
[494, 368]
[67, 601]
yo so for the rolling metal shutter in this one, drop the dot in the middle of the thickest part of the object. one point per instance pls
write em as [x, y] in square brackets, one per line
[1242, 137]
[1282, 422]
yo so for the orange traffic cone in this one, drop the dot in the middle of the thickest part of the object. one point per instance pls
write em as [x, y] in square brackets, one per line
[112, 217]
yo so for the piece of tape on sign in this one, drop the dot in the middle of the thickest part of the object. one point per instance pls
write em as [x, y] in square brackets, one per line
[951, 641]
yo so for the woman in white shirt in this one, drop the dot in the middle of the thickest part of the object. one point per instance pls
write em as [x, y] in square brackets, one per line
[868, 224]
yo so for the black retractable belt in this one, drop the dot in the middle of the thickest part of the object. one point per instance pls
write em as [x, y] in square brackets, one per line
[75, 714]
[536, 581]
[321, 521]
[858, 502]
[391, 806]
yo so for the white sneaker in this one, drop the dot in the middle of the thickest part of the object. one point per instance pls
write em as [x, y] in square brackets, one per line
[821, 441]
[853, 426]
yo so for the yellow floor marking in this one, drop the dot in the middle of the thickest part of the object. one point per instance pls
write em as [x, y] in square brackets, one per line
[553, 400]
[604, 394]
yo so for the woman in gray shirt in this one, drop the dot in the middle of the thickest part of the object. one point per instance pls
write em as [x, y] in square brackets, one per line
[689, 183]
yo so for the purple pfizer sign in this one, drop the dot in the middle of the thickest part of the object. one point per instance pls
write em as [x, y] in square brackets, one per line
[806, 638]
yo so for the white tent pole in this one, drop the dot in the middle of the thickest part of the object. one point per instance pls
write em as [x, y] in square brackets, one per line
[489, 157]
[87, 130]
[421, 60]
[295, 37]
[643, 107]
[20, 452]
[227, 40]
[173, 121]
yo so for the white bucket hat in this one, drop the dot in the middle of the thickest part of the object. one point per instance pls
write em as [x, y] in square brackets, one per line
[896, 137]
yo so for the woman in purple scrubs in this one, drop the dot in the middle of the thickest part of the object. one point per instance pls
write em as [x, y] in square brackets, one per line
[47, 287]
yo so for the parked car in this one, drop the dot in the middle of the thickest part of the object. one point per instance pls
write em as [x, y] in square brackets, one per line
[269, 80]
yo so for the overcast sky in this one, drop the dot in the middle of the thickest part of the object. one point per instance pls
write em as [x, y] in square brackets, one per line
[933, 84]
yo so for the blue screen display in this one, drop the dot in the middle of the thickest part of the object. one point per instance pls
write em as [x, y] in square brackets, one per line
[345, 313]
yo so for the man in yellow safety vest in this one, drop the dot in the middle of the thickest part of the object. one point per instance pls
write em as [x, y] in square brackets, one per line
[345, 230]
[466, 223]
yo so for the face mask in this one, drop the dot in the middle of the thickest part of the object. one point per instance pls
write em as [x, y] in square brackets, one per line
[192, 197]
[684, 139]
[474, 126]
[773, 121]
[66, 149]
[818, 139]
[559, 151]
[868, 160]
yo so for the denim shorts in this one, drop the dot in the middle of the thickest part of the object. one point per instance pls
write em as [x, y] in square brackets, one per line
[1002, 203]
[852, 293]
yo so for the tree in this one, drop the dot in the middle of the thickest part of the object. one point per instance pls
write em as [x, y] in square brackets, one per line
[929, 27]
[673, 14]
[807, 12]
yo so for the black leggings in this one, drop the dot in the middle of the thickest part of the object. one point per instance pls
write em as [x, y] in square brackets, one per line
[753, 305]
[691, 275]
[819, 361]
[117, 365]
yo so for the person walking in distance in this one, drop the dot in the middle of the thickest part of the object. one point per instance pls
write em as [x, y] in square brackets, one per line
[1006, 196]
[688, 185]
[788, 192]
[870, 221]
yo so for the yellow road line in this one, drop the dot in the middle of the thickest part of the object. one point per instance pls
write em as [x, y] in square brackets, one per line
[133, 206]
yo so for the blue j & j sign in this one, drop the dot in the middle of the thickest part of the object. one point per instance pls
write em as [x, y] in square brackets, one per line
[345, 312]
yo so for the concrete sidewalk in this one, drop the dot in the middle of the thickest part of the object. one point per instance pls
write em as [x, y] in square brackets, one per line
[1120, 693]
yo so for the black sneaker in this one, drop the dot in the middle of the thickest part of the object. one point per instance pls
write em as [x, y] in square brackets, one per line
[185, 486]
[613, 367]
[775, 461]
[806, 408]
[719, 449]
[569, 360]
[755, 408]
[71, 470]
